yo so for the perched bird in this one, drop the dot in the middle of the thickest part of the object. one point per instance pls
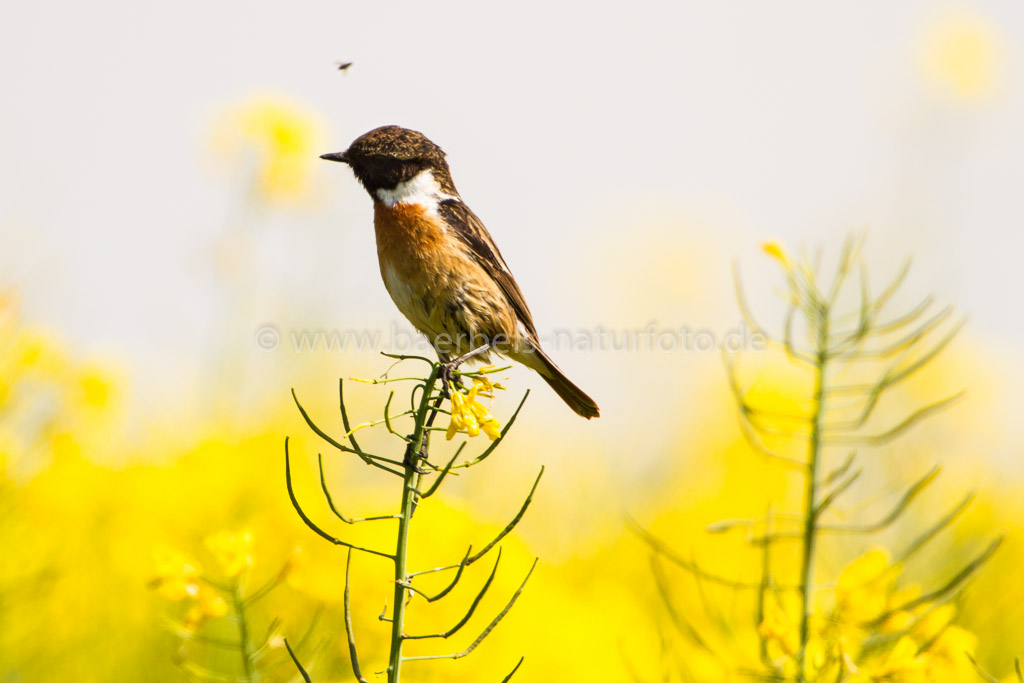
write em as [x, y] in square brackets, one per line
[439, 263]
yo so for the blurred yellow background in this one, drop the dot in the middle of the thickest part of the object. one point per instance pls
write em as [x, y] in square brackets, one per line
[168, 233]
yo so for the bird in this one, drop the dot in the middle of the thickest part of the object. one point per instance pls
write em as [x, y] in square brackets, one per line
[439, 263]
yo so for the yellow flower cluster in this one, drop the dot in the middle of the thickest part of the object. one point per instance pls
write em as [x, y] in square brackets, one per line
[875, 632]
[469, 415]
[959, 55]
[178, 579]
[71, 401]
[232, 551]
[278, 137]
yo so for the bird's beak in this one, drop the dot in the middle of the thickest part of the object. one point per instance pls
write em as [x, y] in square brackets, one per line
[335, 156]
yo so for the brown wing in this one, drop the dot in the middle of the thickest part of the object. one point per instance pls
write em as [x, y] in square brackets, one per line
[471, 231]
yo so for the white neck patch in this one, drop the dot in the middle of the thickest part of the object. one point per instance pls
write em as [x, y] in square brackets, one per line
[421, 189]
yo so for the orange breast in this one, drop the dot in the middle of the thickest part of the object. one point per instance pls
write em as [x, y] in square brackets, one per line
[421, 265]
[434, 281]
[409, 239]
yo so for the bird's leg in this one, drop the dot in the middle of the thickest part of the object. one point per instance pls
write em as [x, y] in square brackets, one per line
[448, 368]
[446, 375]
[409, 460]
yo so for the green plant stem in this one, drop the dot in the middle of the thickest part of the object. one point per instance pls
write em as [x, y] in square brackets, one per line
[398, 616]
[243, 633]
[409, 494]
[810, 532]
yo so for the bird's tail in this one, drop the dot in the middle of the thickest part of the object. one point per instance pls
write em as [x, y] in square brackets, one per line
[574, 397]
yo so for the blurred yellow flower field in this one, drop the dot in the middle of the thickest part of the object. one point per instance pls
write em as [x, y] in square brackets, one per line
[172, 559]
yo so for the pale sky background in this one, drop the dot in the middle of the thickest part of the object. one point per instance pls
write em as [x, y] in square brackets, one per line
[621, 156]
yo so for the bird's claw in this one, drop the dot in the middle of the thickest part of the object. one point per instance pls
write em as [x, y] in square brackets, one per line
[410, 462]
[449, 376]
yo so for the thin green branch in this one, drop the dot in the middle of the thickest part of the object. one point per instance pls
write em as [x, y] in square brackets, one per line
[444, 473]
[512, 673]
[841, 470]
[837, 491]
[400, 356]
[469, 613]
[501, 437]
[908, 496]
[951, 585]
[387, 416]
[490, 627]
[910, 339]
[893, 287]
[344, 415]
[746, 426]
[678, 620]
[511, 525]
[895, 373]
[741, 301]
[434, 570]
[447, 589]
[269, 586]
[933, 530]
[386, 380]
[319, 612]
[330, 500]
[664, 551]
[302, 515]
[297, 663]
[243, 633]
[787, 335]
[847, 257]
[905, 319]
[891, 433]
[981, 672]
[368, 458]
[353, 655]
[865, 412]
[856, 337]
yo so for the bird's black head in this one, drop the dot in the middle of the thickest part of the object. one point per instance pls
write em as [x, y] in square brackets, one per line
[389, 155]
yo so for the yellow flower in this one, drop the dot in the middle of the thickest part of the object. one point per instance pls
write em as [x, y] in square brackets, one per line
[485, 383]
[900, 619]
[95, 389]
[903, 663]
[279, 135]
[177, 578]
[862, 592]
[231, 550]
[959, 54]
[208, 605]
[471, 416]
[775, 250]
[463, 419]
[934, 622]
[487, 386]
[949, 653]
